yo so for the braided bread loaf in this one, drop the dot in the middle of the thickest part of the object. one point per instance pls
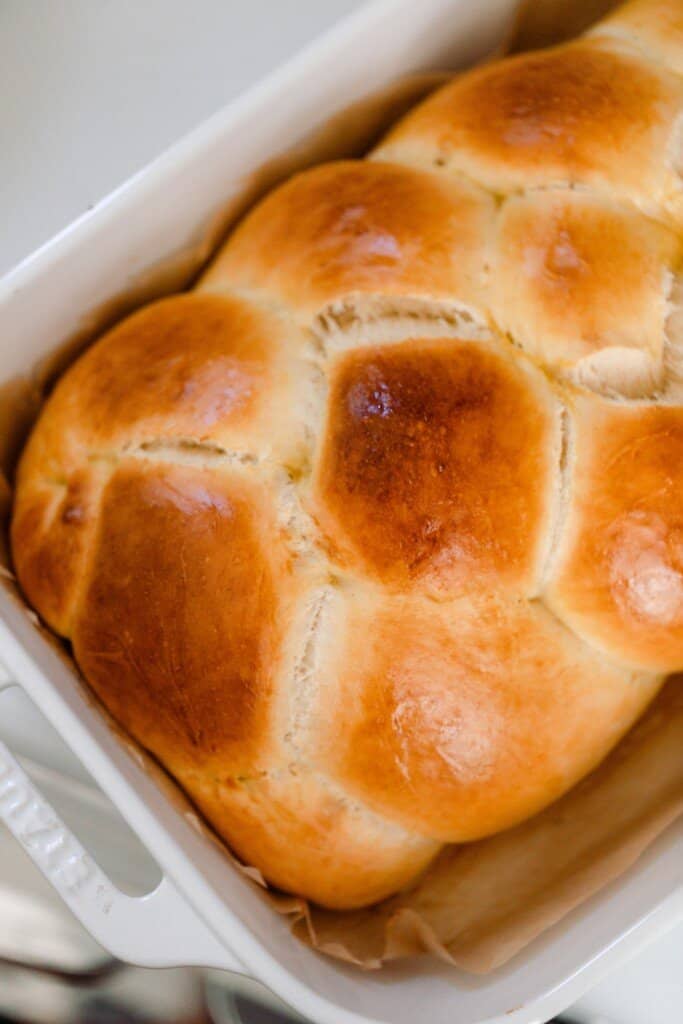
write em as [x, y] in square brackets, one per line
[375, 539]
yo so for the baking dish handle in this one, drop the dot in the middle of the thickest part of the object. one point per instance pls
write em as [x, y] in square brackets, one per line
[156, 930]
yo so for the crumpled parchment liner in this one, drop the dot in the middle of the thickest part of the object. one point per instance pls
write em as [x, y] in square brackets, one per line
[479, 904]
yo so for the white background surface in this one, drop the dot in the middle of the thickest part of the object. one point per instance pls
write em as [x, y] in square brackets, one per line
[91, 90]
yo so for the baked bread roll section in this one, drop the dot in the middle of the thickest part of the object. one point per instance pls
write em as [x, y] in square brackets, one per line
[375, 539]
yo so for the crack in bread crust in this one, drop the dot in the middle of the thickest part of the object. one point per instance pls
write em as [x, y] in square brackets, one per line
[562, 497]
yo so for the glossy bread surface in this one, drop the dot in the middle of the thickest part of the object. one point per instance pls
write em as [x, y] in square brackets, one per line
[436, 465]
[361, 228]
[619, 577]
[592, 113]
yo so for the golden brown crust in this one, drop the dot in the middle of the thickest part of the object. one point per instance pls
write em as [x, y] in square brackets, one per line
[179, 630]
[653, 26]
[208, 368]
[576, 276]
[306, 838]
[438, 465]
[358, 227]
[461, 719]
[578, 114]
[304, 525]
[619, 578]
[53, 527]
[180, 633]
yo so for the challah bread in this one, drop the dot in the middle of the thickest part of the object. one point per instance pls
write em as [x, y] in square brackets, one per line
[375, 539]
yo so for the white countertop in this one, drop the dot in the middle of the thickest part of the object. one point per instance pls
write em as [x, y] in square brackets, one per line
[91, 91]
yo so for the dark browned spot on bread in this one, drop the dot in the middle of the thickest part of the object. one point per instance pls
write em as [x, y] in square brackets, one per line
[179, 629]
[436, 463]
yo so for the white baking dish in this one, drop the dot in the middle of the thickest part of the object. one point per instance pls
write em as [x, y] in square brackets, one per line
[204, 911]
